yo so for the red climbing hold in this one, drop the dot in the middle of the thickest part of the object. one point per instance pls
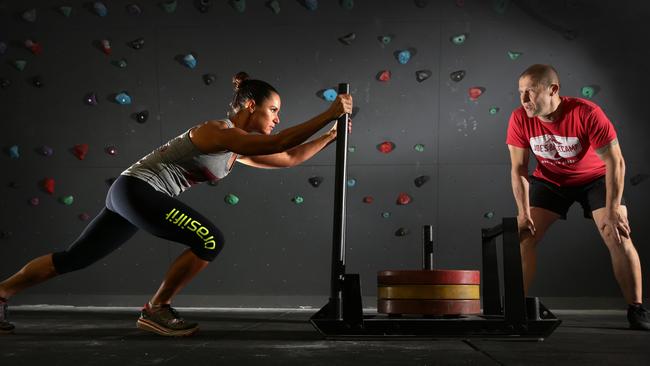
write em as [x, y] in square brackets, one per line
[80, 151]
[384, 75]
[403, 199]
[475, 92]
[368, 199]
[48, 184]
[386, 147]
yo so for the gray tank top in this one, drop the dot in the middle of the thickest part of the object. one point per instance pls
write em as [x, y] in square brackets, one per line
[178, 165]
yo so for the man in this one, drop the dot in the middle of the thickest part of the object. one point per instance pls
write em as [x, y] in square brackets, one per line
[578, 159]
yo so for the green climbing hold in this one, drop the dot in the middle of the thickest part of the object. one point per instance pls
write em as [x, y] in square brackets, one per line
[385, 39]
[500, 6]
[20, 64]
[352, 149]
[385, 215]
[347, 4]
[169, 6]
[513, 55]
[298, 200]
[65, 10]
[120, 63]
[238, 5]
[459, 39]
[231, 199]
[67, 200]
[419, 148]
[587, 91]
[494, 110]
[488, 215]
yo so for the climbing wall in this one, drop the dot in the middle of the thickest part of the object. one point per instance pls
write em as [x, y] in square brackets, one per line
[87, 88]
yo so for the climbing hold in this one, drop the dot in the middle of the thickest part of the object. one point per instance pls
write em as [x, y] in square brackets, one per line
[67, 200]
[587, 92]
[80, 151]
[91, 99]
[239, 5]
[638, 179]
[385, 215]
[14, 184]
[404, 56]
[274, 5]
[37, 81]
[134, 9]
[475, 92]
[500, 6]
[65, 10]
[459, 39]
[48, 185]
[329, 95]
[315, 181]
[189, 60]
[3, 48]
[311, 4]
[204, 5]
[404, 199]
[386, 147]
[347, 4]
[298, 200]
[5, 83]
[231, 199]
[418, 147]
[34, 201]
[142, 117]
[120, 63]
[488, 215]
[46, 151]
[208, 79]
[513, 55]
[84, 216]
[123, 98]
[169, 6]
[352, 149]
[352, 182]
[457, 75]
[29, 15]
[368, 199]
[100, 9]
[494, 110]
[14, 153]
[137, 44]
[33, 47]
[421, 3]
[5, 234]
[106, 46]
[385, 39]
[421, 180]
[384, 75]
[111, 150]
[20, 64]
[348, 38]
[402, 232]
[422, 75]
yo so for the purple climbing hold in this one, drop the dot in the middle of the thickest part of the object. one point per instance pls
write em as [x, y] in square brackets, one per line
[315, 181]
[91, 99]
[134, 9]
[34, 201]
[47, 151]
[29, 15]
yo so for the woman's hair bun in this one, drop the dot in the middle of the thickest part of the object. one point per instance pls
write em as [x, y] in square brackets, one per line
[238, 79]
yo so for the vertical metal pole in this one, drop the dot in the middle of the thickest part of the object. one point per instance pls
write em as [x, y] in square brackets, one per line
[427, 247]
[338, 238]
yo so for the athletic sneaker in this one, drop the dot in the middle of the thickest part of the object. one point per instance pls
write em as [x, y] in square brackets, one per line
[639, 317]
[5, 326]
[164, 320]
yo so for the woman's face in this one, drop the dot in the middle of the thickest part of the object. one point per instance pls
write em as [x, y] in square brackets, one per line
[266, 116]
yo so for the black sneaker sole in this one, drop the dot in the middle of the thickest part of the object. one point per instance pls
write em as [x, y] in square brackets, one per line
[153, 327]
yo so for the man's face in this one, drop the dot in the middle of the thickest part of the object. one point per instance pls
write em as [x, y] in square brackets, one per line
[535, 98]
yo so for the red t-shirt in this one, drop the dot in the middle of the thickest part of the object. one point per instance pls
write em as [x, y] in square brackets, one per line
[565, 148]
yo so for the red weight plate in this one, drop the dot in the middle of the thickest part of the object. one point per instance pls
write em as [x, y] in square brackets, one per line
[429, 277]
[429, 307]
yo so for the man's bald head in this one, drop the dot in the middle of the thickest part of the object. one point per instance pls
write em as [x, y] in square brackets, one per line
[541, 75]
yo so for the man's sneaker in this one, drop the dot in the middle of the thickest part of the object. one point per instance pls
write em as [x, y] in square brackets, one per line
[639, 317]
[165, 320]
[5, 326]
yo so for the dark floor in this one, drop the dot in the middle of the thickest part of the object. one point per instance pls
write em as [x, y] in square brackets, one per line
[238, 338]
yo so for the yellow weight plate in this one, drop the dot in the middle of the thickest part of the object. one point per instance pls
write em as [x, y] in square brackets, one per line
[430, 292]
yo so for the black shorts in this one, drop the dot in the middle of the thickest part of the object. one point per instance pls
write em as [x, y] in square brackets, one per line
[133, 204]
[547, 195]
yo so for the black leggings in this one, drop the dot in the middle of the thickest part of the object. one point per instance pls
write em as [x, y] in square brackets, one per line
[133, 204]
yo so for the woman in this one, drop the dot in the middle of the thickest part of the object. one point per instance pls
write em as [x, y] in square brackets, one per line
[142, 196]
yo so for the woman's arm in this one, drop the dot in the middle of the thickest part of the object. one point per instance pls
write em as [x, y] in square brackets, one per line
[291, 157]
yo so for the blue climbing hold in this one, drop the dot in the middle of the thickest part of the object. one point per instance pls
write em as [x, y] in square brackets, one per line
[352, 182]
[311, 4]
[123, 98]
[404, 56]
[13, 152]
[330, 95]
[189, 61]
[100, 9]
